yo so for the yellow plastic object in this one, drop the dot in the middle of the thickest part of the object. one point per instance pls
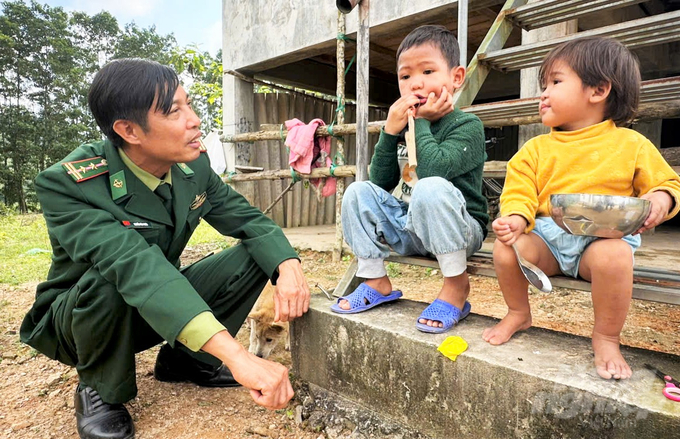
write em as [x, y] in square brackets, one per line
[452, 347]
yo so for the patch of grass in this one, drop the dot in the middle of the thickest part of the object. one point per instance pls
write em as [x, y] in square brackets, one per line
[393, 270]
[26, 249]
[205, 234]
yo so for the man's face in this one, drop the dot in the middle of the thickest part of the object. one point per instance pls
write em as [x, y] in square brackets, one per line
[170, 138]
[423, 70]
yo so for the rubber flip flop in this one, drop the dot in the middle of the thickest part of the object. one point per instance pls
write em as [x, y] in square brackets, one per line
[363, 299]
[444, 312]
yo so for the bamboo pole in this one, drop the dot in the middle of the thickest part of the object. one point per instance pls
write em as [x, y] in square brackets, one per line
[339, 141]
[492, 169]
[285, 191]
[646, 111]
[340, 171]
[363, 51]
[280, 132]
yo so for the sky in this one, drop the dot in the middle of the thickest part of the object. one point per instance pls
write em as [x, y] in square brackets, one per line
[191, 21]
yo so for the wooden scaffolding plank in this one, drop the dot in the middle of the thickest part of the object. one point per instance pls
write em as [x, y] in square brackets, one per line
[549, 12]
[648, 283]
[648, 31]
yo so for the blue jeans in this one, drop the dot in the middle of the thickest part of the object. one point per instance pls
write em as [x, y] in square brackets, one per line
[435, 223]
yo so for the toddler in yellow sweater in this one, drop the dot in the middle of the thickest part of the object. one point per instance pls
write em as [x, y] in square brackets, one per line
[591, 89]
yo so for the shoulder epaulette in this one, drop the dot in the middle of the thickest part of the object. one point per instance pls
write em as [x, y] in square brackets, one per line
[202, 148]
[82, 170]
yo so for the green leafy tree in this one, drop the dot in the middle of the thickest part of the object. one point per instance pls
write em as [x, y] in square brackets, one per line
[48, 58]
[136, 42]
[202, 73]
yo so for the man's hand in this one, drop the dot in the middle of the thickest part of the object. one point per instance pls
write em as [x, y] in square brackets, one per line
[397, 117]
[291, 299]
[661, 205]
[509, 228]
[436, 108]
[268, 381]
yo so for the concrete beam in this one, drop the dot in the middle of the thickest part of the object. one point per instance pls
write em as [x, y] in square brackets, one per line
[306, 28]
[321, 77]
[541, 384]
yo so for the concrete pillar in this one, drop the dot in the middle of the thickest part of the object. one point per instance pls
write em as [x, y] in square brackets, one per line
[239, 117]
[529, 84]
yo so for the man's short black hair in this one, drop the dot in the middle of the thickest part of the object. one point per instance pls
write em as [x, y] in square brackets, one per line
[126, 89]
[439, 36]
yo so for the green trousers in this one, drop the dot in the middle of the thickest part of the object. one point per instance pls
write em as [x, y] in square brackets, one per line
[100, 334]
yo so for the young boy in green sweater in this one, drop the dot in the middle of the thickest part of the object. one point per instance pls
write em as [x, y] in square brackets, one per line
[439, 209]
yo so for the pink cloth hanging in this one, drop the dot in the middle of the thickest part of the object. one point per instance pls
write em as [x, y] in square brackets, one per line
[308, 152]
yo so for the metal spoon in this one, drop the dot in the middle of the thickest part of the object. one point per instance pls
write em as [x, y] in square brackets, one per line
[534, 275]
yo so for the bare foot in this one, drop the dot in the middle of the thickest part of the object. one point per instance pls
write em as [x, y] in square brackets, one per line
[511, 323]
[608, 359]
[381, 285]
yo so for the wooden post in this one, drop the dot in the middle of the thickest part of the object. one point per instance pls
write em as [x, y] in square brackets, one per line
[362, 91]
[463, 30]
[529, 83]
[340, 142]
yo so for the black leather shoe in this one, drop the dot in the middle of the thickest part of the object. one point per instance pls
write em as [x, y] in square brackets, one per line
[99, 420]
[175, 366]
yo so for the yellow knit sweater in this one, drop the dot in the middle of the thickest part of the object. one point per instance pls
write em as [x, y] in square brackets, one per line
[600, 159]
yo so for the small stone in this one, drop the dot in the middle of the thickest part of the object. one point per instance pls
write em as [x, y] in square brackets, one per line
[54, 393]
[258, 430]
[298, 414]
[53, 379]
[272, 426]
[8, 356]
[21, 425]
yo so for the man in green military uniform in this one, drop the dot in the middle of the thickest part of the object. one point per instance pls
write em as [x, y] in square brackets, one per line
[119, 214]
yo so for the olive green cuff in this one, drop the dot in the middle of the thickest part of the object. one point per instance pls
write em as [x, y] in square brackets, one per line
[199, 330]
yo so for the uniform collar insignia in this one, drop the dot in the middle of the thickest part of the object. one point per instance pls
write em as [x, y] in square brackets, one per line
[118, 185]
[184, 168]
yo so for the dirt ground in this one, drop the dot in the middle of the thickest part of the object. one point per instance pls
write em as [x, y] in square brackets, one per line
[37, 393]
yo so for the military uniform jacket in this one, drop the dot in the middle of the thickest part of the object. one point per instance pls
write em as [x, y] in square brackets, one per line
[113, 223]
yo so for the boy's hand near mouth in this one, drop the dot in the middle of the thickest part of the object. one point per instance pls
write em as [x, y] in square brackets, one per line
[434, 108]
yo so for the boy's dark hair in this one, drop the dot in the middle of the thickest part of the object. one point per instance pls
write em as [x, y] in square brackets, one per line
[438, 36]
[126, 89]
[598, 60]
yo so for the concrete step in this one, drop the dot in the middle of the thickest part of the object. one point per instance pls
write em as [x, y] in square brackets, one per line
[542, 384]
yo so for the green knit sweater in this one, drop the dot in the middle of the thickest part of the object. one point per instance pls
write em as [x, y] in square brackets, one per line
[452, 148]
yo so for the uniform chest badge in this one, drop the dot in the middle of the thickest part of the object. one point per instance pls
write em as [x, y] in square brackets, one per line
[198, 201]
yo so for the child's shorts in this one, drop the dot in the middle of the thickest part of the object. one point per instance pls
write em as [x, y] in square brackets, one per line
[568, 249]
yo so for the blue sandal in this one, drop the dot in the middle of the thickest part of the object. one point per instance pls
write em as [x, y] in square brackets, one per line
[444, 312]
[364, 298]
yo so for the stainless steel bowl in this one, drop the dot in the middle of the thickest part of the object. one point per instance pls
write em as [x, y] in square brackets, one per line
[604, 216]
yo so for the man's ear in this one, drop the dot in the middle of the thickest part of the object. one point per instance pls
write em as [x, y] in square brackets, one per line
[457, 77]
[128, 131]
[600, 92]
